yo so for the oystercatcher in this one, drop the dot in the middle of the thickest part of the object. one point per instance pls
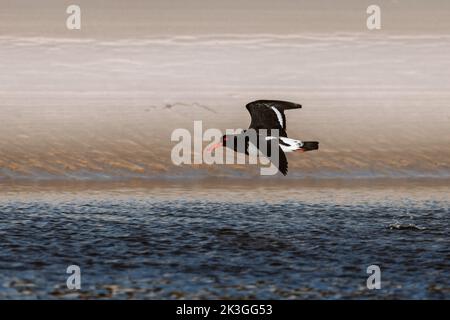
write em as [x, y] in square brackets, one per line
[266, 116]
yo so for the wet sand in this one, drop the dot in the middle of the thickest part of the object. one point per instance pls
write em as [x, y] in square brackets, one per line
[105, 110]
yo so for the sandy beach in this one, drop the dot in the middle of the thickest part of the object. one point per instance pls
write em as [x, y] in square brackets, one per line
[101, 103]
[106, 110]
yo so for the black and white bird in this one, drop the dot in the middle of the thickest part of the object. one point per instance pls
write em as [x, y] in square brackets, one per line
[268, 115]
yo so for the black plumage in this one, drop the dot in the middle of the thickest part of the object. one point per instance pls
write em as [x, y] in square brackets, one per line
[267, 116]
[264, 117]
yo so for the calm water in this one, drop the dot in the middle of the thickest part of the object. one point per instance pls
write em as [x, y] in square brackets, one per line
[311, 243]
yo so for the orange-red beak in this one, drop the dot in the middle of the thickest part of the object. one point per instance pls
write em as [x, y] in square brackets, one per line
[214, 147]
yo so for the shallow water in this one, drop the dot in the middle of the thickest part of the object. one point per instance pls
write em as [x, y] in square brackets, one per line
[181, 243]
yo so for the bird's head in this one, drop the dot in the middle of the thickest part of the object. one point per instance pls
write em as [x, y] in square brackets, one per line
[226, 138]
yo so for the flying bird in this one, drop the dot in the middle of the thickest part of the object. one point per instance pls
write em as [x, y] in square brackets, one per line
[268, 115]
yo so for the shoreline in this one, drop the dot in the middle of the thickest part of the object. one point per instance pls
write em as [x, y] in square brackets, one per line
[219, 183]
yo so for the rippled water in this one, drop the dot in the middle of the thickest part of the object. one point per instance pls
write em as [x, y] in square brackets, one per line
[138, 244]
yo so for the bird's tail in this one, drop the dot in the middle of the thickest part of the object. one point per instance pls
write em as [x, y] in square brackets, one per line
[310, 145]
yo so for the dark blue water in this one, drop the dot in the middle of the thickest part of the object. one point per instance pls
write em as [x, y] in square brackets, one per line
[147, 249]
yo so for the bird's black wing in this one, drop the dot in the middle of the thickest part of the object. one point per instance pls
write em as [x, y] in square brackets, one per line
[282, 164]
[269, 114]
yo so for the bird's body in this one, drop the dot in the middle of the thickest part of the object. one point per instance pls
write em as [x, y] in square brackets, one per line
[268, 122]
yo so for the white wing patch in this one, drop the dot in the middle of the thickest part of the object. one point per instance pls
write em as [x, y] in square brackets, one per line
[292, 144]
[279, 116]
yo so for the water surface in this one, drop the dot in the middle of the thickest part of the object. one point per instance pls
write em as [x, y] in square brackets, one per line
[149, 243]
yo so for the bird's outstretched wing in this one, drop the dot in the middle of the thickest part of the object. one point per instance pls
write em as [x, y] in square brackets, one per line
[282, 163]
[269, 114]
